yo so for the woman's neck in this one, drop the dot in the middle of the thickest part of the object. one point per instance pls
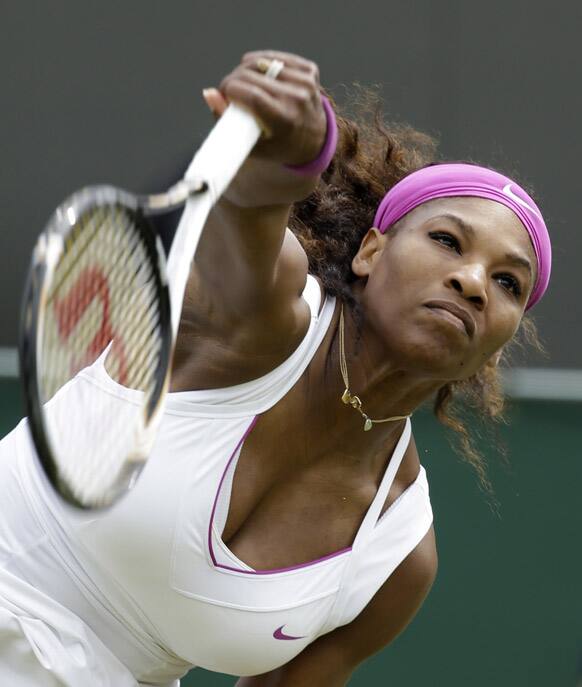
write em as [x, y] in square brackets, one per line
[384, 388]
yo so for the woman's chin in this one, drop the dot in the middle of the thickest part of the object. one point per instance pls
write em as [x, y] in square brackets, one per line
[440, 364]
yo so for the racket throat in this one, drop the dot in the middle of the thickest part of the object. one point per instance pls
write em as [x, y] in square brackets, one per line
[175, 196]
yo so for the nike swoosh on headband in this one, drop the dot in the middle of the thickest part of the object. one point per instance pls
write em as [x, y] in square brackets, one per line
[508, 192]
[279, 634]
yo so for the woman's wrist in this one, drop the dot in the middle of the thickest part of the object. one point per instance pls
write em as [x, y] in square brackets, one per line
[266, 182]
[263, 182]
[322, 161]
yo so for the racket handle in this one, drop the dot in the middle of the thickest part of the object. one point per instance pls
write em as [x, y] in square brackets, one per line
[228, 145]
[225, 149]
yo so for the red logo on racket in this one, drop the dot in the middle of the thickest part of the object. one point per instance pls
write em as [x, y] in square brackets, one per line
[90, 284]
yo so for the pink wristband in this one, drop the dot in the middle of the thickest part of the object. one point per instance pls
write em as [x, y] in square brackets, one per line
[321, 162]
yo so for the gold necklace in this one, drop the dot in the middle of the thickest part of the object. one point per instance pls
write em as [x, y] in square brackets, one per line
[347, 397]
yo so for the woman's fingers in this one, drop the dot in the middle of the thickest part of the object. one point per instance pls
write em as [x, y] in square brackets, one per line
[294, 92]
[270, 111]
[289, 107]
[295, 69]
[289, 60]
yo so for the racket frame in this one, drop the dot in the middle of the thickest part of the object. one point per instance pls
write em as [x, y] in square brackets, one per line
[45, 257]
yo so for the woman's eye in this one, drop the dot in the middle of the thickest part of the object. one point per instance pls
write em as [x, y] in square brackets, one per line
[446, 239]
[509, 283]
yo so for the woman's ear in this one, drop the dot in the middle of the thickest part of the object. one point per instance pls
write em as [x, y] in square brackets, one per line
[369, 251]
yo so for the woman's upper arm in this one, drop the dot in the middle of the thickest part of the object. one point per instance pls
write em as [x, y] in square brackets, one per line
[332, 658]
[246, 262]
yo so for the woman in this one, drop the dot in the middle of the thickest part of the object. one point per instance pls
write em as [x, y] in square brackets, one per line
[282, 529]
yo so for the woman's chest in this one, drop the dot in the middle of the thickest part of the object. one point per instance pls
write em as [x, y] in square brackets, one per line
[287, 505]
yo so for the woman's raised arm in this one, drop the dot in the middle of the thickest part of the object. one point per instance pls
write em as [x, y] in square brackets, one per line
[244, 268]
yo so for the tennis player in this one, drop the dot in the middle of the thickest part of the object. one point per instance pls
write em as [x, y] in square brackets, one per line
[282, 528]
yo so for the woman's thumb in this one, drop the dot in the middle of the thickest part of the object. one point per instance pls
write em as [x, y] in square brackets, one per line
[215, 101]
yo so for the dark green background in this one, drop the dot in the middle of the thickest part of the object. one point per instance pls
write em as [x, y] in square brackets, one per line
[506, 607]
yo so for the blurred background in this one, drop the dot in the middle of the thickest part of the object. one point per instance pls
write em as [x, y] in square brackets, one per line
[111, 92]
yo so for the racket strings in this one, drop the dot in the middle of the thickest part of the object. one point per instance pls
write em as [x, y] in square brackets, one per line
[102, 303]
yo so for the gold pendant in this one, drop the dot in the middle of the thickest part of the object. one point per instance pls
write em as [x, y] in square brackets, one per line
[346, 397]
[367, 424]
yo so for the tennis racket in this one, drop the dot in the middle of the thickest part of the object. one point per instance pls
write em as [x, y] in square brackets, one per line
[100, 293]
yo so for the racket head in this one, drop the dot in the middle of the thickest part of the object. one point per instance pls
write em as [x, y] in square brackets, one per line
[95, 345]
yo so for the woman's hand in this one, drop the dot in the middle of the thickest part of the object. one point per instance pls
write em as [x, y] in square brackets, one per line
[289, 107]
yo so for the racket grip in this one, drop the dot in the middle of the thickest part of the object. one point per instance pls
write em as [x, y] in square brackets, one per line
[227, 146]
[224, 150]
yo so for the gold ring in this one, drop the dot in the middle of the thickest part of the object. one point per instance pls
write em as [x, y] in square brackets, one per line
[263, 65]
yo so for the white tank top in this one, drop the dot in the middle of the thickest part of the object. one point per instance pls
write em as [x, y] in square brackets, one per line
[152, 575]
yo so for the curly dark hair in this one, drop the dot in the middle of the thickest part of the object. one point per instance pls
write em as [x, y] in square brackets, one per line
[371, 157]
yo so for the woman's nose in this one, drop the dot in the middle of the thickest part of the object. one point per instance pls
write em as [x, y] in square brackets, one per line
[470, 281]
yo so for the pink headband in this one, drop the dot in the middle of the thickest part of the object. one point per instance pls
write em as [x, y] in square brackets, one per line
[459, 179]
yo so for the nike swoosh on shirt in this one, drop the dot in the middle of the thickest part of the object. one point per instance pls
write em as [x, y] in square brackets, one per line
[279, 634]
[508, 192]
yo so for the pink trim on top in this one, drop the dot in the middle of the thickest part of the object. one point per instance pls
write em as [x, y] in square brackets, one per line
[210, 524]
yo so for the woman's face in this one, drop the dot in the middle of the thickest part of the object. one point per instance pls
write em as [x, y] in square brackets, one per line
[447, 289]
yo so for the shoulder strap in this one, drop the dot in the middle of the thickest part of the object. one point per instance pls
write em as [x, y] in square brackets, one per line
[312, 295]
[371, 517]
